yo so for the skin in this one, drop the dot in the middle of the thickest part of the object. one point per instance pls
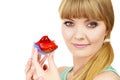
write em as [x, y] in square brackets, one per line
[81, 37]
[36, 69]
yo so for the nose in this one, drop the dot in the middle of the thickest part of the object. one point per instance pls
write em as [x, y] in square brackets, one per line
[79, 35]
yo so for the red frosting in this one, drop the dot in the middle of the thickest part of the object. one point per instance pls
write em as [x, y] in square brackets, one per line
[46, 44]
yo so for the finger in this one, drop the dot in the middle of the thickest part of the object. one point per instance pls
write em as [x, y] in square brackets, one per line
[35, 55]
[33, 50]
[51, 62]
[28, 66]
[29, 75]
[40, 78]
[39, 57]
[44, 59]
[36, 63]
[35, 77]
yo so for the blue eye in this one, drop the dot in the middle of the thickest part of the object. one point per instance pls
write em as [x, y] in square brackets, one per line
[69, 23]
[92, 24]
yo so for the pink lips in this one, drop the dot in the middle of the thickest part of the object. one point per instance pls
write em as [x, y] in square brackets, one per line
[80, 45]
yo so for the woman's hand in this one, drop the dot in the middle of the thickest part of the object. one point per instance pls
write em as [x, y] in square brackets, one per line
[50, 72]
[29, 70]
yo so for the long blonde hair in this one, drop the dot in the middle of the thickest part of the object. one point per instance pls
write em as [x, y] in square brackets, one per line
[98, 10]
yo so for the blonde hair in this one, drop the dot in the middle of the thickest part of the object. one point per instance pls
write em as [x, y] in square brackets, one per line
[98, 10]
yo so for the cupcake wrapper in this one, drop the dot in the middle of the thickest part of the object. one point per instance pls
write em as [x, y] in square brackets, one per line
[39, 50]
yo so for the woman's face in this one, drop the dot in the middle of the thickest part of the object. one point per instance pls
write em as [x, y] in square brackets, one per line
[83, 37]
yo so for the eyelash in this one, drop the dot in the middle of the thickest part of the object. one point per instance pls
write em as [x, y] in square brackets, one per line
[69, 23]
[92, 24]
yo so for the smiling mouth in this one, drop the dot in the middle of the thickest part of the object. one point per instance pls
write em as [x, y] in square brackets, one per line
[80, 45]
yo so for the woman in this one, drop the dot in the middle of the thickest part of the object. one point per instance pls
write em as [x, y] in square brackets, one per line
[86, 29]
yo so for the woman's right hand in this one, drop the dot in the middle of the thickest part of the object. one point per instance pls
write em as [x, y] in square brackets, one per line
[51, 72]
[30, 69]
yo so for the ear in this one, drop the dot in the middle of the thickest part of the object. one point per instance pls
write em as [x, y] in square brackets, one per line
[107, 34]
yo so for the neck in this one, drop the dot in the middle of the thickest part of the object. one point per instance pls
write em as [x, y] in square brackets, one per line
[79, 63]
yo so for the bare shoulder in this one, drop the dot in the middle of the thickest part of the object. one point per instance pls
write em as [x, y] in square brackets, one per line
[108, 75]
[61, 69]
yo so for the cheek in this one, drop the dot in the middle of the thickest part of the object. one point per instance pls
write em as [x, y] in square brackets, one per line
[67, 33]
[98, 36]
[96, 40]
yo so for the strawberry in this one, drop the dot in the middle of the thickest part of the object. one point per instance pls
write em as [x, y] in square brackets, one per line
[46, 45]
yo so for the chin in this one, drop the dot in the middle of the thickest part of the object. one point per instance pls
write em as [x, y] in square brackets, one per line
[81, 54]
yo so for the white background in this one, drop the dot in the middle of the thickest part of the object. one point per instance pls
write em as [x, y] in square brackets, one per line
[23, 22]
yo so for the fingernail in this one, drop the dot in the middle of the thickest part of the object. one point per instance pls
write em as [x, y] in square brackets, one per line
[45, 67]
